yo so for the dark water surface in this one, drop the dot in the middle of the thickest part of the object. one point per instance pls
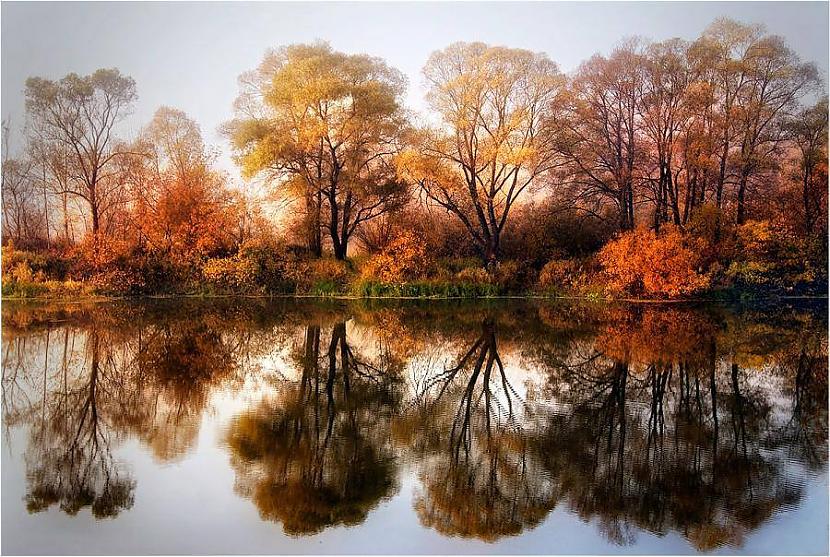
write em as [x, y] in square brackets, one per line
[253, 426]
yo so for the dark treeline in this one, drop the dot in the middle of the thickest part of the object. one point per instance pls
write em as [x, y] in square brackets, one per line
[660, 169]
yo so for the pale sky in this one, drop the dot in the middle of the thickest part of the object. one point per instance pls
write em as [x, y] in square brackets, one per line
[189, 54]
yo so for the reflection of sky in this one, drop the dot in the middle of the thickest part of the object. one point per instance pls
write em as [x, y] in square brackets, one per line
[191, 507]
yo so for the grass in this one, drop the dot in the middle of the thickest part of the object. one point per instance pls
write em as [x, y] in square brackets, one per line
[424, 289]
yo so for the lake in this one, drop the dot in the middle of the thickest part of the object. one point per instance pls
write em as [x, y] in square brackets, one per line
[309, 426]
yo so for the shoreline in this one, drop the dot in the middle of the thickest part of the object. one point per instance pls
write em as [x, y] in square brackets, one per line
[105, 298]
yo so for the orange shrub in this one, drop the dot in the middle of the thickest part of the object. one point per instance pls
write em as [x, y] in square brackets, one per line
[230, 273]
[567, 275]
[97, 254]
[642, 262]
[405, 258]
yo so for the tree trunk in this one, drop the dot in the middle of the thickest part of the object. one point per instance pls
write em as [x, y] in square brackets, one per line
[340, 249]
[314, 237]
[491, 252]
[742, 198]
[808, 217]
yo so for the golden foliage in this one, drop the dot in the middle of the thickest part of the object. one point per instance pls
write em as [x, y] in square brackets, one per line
[643, 262]
[405, 258]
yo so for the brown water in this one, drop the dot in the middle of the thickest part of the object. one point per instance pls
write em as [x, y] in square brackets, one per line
[253, 426]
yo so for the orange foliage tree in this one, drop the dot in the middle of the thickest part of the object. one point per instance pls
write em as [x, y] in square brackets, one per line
[182, 208]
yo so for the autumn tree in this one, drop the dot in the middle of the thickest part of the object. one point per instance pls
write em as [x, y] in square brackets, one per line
[324, 126]
[22, 218]
[491, 145]
[181, 205]
[602, 129]
[808, 131]
[664, 114]
[777, 80]
[756, 79]
[718, 55]
[80, 113]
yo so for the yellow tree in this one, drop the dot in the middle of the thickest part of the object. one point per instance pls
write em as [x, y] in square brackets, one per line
[324, 126]
[491, 145]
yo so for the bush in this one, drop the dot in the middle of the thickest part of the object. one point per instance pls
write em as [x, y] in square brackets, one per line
[768, 258]
[119, 282]
[231, 274]
[539, 232]
[473, 275]
[405, 258]
[324, 277]
[512, 276]
[664, 265]
[568, 275]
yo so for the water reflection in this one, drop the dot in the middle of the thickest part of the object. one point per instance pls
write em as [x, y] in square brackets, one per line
[637, 418]
[467, 430]
[318, 455]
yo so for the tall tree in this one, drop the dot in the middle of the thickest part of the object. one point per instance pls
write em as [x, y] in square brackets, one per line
[776, 81]
[492, 144]
[80, 113]
[181, 205]
[664, 114]
[808, 131]
[22, 217]
[720, 55]
[324, 126]
[603, 143]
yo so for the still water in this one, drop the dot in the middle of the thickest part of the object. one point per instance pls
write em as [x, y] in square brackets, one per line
[254, 426]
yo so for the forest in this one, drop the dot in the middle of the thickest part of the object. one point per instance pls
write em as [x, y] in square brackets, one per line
[671, 169]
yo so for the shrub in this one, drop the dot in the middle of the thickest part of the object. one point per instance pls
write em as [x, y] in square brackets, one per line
[405, 258]
[642, 262]
[232, 274]
[125, 281]
[550, 229]
[473, 275]
[767, 257]
[324, 276]
[512, 276]
[95, 255]
[561, 275]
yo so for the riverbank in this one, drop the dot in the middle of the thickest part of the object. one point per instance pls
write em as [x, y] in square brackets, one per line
[721, 296]
[272, 271]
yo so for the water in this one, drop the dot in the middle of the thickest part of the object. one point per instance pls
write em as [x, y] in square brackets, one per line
[254, 426]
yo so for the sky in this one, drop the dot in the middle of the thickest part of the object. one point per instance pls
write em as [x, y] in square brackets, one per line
[188, 55]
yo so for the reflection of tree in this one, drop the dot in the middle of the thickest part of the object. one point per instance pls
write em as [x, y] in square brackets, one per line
[648, 417]
[674, 440]
[319, 456]
[109, 375]
[177, 365]
[479, 479]
[69, 460]
[804, 367]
